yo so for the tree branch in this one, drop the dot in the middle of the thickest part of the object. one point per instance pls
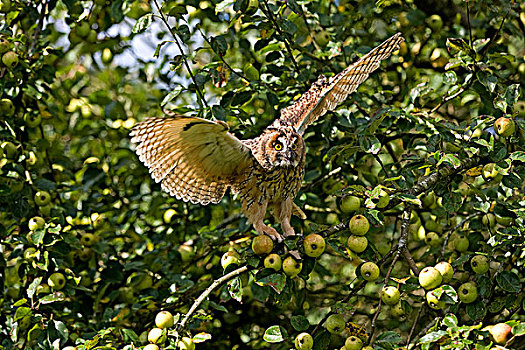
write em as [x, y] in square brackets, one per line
[186, 64]
[207, 292]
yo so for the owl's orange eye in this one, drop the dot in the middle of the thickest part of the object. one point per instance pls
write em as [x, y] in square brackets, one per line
[278, 146]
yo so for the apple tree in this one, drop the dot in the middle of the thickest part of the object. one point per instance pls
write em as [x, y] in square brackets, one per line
[414, 236]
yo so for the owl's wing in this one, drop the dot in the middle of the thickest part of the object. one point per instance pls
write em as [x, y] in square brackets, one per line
[325, 94]
[194, 159]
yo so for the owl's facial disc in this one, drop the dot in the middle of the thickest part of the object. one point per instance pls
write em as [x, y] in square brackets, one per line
[287, 150]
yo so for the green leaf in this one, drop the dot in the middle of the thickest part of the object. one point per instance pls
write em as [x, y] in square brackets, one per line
[172, 95]
[220, 7]
[450, 158]
[299, 323]
[277, 281]
[432, 337]
[512, 181]
[389, 337]
[235, 289]
[32, 287]
[518, 155]
[519, 329]
[177, 11]
[45, 184]
[201, 337]
[219, 45]
[410, 199]
[273, 335]
[142, 23]
[488, 80]
[116, 10]
[450, 77]
[452, 201]
[62, 329]
[455, 46]
[508, 281]
[476, 310]
[22, 312]
[51, 298]
[450, 320]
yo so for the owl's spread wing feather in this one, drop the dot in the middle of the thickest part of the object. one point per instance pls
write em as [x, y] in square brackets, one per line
[194, 159]
[325, 94]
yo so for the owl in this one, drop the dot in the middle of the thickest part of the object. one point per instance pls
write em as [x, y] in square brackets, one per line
[197, 160]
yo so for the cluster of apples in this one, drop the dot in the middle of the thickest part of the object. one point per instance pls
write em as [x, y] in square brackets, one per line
[313, 246]
[158, 335]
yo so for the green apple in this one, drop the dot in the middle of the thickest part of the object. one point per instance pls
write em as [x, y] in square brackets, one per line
[500, 333]
[126, 295]
[350, 204]
[489, 220]
[29, 253]
[262, 244]
[369, 271]
[230, 257]
[480, 264]
[353, 343]
[503, 220]
[291, 267]
[468, 292]
[186, 343]
[335, 323]
[32, 120]
[446, 271]
[359, 225]
[157, 336]
[4, 45]
[9, 150]
[433, 239]
[398, 310]
[85, 254]
[151, 347]
[461, 243]
[322, 37]
[186, 252]
[434, 302]
[357, 244]
[10, 59]
[92, 36]
[7, 108]
[57, 281]
[107, 57]
[430, 278]
[42, 198]
[304, 341]
[505, 127]
[43, 288]
[383, 200]
[82, 29]
[390, 295]
[164, 319]
[435, 22]
[273, 261]
[36, 223]
[252, 7]
[490, 173]
[314, 245]
[428, 200]
[141, 281]
[88, 239]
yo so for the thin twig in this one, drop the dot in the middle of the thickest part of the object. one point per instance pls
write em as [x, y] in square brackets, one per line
[207, 292]
[269, 14]
[447, 237]
[186, 64]
[413, 326]
[469, 27]
[40, 25]
[494, 37]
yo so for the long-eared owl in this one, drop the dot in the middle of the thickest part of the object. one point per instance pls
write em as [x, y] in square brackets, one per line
[196, 160]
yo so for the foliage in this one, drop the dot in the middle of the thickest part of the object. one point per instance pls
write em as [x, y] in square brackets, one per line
[418, 133]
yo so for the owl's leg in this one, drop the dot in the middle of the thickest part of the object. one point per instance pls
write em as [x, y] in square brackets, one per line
[283, 214]
[255, 212]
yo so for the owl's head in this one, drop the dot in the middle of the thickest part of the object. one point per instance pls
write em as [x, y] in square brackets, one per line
[282, 147]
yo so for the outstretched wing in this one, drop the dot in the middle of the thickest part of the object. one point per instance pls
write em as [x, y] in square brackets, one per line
[194, 159]
[325, 94]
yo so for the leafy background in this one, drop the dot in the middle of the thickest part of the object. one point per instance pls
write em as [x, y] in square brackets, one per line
[420, 128]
